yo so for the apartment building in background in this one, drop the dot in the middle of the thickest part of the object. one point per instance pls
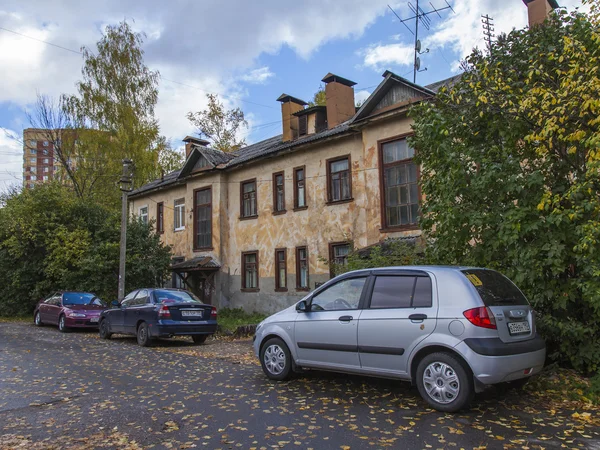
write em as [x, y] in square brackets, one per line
[39, 164]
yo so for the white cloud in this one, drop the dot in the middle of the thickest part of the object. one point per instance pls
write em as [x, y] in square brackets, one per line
[258, 76]
[461, 32]
[197, 43]
[381, 57]
[361, 96]
[11, 158]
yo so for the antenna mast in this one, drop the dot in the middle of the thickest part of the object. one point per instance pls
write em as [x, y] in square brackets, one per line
[422, 17]
[488, 30]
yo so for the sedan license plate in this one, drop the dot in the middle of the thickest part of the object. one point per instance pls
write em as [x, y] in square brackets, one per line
[191, 313]
[94, 319]
[518, 327]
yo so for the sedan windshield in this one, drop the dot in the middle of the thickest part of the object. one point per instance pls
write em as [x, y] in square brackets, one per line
[166, 296]
[80, 298]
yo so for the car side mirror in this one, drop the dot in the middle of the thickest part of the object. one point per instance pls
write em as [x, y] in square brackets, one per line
[115, 303]
[302, 306]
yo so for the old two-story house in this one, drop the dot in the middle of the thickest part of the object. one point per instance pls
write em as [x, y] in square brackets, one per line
[257, 228]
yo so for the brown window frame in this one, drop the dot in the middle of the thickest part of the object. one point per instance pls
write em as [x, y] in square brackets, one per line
[257, 288]
[242, 216]
[329, 162]
[305, 206]
[195, 224]
[278, 287]
[298, 287]
[384, 227]
[332, 245]
[160, 218]
[275, 210]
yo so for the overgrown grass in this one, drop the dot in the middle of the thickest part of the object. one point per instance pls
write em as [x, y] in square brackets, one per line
[565, 385]
[231, 318]
[9, 319]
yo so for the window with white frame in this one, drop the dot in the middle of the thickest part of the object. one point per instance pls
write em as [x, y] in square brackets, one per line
[33, 143]
[32, 160]
[33, 178]
[33, 151]
[179, 219]
[143, 214]
[45, 143]
[45, 177]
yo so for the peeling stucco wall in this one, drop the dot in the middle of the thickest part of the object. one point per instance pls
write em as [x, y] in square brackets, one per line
[315, 227]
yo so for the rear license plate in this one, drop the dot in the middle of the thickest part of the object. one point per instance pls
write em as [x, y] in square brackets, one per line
[94, 319]
[191, 313]
[518, 327]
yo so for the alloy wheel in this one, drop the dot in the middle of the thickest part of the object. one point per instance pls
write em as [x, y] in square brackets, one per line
[274, 358]
[441, 382]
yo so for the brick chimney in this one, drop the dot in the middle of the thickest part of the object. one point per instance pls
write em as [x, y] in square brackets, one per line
[190, 141]
[339, 95]
[538, 10]
[290, 105]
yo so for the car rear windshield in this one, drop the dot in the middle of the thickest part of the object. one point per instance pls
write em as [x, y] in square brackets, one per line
[80, 298]
[166, 296]
[494, 288]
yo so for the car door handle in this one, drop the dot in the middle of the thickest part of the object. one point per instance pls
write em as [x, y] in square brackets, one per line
[419, 317]
[346, 318]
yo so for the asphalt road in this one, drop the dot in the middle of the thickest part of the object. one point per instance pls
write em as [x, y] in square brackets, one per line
[76, 391]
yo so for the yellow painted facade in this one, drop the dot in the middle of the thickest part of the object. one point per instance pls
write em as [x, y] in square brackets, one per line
[315, 227]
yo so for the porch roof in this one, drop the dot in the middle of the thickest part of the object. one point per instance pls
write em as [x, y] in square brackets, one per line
[197, 263]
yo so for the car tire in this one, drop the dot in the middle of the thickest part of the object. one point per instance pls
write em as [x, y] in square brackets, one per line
[276, 360]
[61, 324]
[37, 320]
[143, 338]
[103, 330]
[199, 338]
[448, 379]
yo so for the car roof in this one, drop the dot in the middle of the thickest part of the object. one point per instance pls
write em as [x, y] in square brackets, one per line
[431, 269]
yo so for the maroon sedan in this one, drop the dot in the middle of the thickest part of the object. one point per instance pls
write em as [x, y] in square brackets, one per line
[69, 310]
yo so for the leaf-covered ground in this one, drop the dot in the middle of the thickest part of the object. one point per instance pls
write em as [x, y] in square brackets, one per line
[75, 391]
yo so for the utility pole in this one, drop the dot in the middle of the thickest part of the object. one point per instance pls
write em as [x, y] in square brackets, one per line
[125, 185]
[422, 17]
[488, 30]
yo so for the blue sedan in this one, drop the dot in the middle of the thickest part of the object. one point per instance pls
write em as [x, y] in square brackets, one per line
[154, 313]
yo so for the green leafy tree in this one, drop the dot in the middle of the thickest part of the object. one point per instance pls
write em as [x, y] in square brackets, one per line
[319, 98]
[50, 240]
[218, 125]
[511, 173]
[112, 116]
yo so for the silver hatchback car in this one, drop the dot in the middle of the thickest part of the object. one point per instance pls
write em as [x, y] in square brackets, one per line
[450, 330]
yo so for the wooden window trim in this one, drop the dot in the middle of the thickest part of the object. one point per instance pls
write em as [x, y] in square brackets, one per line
[251, 180]
[331, 255]
[160, 218]
[328, 168]
[296, 207]
[384, 228]
[195, 224]
[278, 288]
[277, 212]
[298, 288]
[257, 288]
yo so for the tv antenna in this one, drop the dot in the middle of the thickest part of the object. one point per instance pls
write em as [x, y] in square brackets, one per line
[488, 30]
[422, 17]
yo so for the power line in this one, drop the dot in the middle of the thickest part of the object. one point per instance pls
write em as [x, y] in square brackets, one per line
[488, 30]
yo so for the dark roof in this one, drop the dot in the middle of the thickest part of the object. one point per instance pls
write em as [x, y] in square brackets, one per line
[303, 112]
[195, 140]
[274, 145]
[199, 262]
[331, 77]
[448, 82]
[168, 179]
[289, 98]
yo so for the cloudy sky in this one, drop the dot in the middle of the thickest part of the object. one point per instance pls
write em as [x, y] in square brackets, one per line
[248, 52]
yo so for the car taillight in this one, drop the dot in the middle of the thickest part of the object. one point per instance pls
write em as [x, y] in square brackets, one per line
[481, 317]
[164, 313]
[213, 313]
